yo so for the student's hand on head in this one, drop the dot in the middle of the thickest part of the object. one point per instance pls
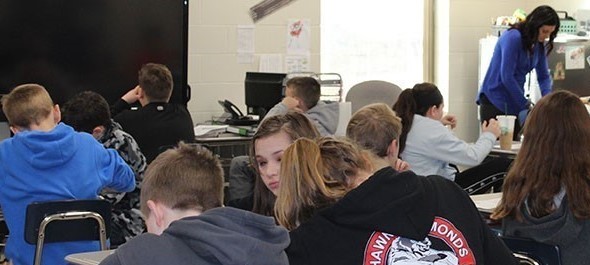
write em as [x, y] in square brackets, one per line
[492, 126]
[401, 165]
[290, 102]
[449, 120]
[131, 96]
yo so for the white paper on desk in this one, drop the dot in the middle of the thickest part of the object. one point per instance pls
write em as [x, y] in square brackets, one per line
[486, 202]
[207, 130]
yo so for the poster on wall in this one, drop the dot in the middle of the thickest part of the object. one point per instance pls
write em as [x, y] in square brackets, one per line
[298, 36]
[297, 63]
[245, 45]
[574, 57]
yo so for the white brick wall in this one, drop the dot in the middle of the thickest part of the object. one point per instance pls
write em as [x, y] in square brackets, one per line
[213, 70]
[215, 74]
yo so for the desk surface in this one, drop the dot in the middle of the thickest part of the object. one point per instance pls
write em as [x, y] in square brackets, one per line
[225, 137]
[509, 153]
[88, 258]
[486, 203]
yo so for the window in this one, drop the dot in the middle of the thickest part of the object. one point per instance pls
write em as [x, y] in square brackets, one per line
[373, 40]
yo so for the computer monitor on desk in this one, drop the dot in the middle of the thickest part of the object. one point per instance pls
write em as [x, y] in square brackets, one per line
[263, 91]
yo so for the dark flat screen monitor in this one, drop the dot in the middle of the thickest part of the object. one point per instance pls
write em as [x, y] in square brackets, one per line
[70, 46]
[263, 91]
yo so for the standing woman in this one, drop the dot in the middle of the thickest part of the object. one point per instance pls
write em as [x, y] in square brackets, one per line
[546, 193]
[519, 50]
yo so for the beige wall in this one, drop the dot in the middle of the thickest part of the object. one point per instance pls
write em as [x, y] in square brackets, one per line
[215, 74]
[457, 64]
[213, 70]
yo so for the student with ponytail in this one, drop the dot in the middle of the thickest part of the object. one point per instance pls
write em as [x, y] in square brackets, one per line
[426, 144]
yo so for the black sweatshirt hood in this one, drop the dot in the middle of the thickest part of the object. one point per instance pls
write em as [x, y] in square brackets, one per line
[408, 196]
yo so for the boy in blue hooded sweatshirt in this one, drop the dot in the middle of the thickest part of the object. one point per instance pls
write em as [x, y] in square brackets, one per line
[45, 161]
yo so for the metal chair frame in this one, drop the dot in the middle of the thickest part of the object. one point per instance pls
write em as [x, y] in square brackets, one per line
[55, 214]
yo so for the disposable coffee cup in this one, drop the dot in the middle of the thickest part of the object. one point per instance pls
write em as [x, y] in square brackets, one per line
[506, 123]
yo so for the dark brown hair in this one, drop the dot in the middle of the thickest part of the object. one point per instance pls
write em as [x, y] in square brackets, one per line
[156, 82]
[306, 88]
[416, 100]
[85, 111]
[529, 29]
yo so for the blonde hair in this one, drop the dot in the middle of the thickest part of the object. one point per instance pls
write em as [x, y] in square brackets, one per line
[186, 177]
[26, 105]
[343, 160]
[374, 127]
[304, 188]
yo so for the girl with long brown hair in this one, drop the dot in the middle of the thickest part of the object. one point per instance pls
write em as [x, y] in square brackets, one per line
[546, 194]
[272, 137]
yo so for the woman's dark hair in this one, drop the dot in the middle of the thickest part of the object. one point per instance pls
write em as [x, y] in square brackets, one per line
[529, 29]
[416, 100]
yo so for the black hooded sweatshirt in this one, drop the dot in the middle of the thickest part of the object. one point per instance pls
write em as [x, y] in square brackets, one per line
[399, 218]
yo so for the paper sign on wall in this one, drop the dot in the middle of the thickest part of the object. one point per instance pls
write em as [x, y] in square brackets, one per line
[298, 36]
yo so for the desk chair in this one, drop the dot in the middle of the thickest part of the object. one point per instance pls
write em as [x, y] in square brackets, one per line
[485, 176]
[374, 91]
[528, 251]
[69, 220]
[486, 184]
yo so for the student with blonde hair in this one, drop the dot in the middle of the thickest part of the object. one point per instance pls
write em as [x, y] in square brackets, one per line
[181, 200]
[272, 137]
[546, 192]
[47, 160]
[315, 175]
[390, 217]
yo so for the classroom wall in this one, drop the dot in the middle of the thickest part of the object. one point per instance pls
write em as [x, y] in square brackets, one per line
[215, 74]
[468, 21]
[213, 69]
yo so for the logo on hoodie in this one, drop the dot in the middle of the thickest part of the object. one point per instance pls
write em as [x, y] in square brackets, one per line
[387, 249]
